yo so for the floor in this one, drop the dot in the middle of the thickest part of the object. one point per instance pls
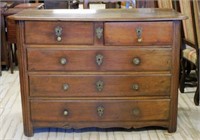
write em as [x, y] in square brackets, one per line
[11, 127]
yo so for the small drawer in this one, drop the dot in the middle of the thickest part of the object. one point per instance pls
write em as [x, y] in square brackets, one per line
[138, 33]
[99, 85]
[135, 59]
[99, 110]
[59, 33]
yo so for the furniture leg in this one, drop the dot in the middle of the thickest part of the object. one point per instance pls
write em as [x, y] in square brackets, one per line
[182, 80]
[196, 96]
[15, 54]
[10, 54]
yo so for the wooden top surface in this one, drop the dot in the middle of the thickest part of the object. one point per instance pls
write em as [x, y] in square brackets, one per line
[29, 5]
[140, 14]
[12, 11]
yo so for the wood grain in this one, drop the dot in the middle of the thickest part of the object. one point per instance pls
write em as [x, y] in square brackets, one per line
[152, 33]
[72, 33]
[118, 86]
[137, 14]
[85, 60]
[86, 111]
[104, 61]
[188, 125]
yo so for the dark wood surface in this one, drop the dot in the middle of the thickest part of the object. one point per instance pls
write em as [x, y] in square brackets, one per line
[82, 33]
[115, 110]
[10, 54]
[117, 86]
[140, 14]
[30, 5]
[72, 33]
[11, 32]
[10, 24]
[152, 33]
[3, 56]
[42, 75]
[48, 59]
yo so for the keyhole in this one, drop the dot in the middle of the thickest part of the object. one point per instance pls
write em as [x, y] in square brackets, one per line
[99, 85]
[99, 59]
[58, 31]
[139, 31]
[100, 111]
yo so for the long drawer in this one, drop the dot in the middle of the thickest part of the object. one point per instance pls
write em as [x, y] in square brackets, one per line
[135, 59]
[99, 110]
[59, 33]
[99, 85]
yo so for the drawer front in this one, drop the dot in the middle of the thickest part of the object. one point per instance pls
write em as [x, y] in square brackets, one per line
[100, 110]
[138, 33]
[59, 33]
[99, 60]
[99, 85]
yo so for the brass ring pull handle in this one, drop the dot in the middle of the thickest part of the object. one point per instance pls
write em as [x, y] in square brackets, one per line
[99, 32]
[65, 87]
[136, 61]
[100, 111]
[136, 112]
[58, 32]
[63, 61]
[99, 85]
[65, 112]
[139, 34]
[135, 87]
[99, 59]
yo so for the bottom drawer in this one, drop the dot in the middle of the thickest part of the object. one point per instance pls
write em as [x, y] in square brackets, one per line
[99, 110]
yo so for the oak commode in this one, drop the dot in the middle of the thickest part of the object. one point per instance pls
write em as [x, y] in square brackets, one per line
[99, 68]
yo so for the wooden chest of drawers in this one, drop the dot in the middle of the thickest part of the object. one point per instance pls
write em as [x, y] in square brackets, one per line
[99, 68]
